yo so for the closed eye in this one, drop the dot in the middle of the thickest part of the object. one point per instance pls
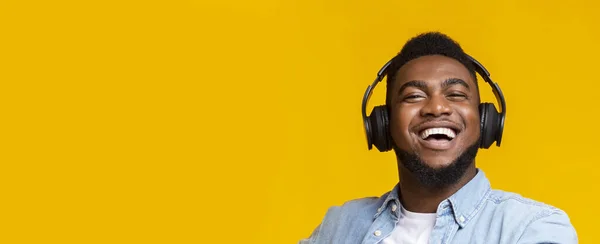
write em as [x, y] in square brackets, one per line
[413, 98]
[457, 96]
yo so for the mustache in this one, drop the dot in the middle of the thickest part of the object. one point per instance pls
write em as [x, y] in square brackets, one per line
[459, 125]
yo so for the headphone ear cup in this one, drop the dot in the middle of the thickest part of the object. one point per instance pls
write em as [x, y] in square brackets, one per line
[489, 124]
[379, 123]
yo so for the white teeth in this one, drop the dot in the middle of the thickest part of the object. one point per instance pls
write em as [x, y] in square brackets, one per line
[438, 131]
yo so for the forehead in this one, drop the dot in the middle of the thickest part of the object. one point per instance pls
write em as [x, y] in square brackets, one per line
[433, 68]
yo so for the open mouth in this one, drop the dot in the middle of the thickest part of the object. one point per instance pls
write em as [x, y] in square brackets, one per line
[436, 134]
[438, 138]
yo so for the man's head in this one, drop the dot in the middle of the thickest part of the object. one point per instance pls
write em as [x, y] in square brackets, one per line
[433, 102]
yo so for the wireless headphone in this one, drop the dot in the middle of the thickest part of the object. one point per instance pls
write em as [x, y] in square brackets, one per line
[377, 123]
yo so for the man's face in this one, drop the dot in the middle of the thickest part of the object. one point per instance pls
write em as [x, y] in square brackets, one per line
[434, 110]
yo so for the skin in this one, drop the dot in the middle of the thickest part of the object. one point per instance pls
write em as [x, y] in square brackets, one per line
[433, 91]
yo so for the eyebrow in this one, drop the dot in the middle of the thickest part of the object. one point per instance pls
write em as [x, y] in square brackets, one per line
[423, 85]
[413, 83]
[454, 81]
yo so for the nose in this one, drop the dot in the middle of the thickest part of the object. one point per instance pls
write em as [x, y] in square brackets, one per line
[436, 106]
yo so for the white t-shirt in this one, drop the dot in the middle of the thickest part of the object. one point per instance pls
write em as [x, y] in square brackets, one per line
[412, 228]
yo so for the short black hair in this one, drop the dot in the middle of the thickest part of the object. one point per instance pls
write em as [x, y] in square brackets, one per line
[429, 43]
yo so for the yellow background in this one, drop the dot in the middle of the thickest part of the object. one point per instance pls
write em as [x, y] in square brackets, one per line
[239, 121]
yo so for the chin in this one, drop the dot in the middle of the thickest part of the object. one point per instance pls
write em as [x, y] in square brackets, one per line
[437, 169]
[438, 162]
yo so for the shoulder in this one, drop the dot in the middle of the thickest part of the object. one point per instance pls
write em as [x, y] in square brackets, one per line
[516, 201]
[538, 222]
[359, 208]
[346, 221]
[515, 204]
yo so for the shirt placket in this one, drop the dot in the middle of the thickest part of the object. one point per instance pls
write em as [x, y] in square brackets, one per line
[383, 225]
[445, 226]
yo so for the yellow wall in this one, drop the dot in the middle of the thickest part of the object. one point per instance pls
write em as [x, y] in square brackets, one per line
[239, 121]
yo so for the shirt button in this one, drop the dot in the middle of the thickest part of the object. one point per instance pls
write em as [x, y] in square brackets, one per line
[377, 233]
[462, 219]
[394, 207]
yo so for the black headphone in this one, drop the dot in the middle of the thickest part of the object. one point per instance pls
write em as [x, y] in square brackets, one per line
[492, 121]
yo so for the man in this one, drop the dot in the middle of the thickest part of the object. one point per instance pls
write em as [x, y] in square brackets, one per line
[442, 197]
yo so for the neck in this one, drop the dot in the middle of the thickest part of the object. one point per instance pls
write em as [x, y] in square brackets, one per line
[418, 198]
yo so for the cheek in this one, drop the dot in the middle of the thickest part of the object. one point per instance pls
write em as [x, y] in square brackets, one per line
[472, 122]
[400, 122]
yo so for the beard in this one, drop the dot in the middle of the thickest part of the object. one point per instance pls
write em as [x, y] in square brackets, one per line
[437, 177]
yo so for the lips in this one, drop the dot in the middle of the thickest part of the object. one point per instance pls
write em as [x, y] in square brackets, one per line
[438, 133]
[438, 136]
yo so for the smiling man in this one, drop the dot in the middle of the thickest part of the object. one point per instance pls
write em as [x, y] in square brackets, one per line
[435, 128]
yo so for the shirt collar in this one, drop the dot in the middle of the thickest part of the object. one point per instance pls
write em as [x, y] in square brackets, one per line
[392, 196]
[465, 203]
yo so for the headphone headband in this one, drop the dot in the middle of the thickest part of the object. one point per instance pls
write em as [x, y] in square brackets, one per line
[495, 89]
[479, 68]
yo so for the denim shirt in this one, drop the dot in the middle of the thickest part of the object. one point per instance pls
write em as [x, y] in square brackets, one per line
[474, 214]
